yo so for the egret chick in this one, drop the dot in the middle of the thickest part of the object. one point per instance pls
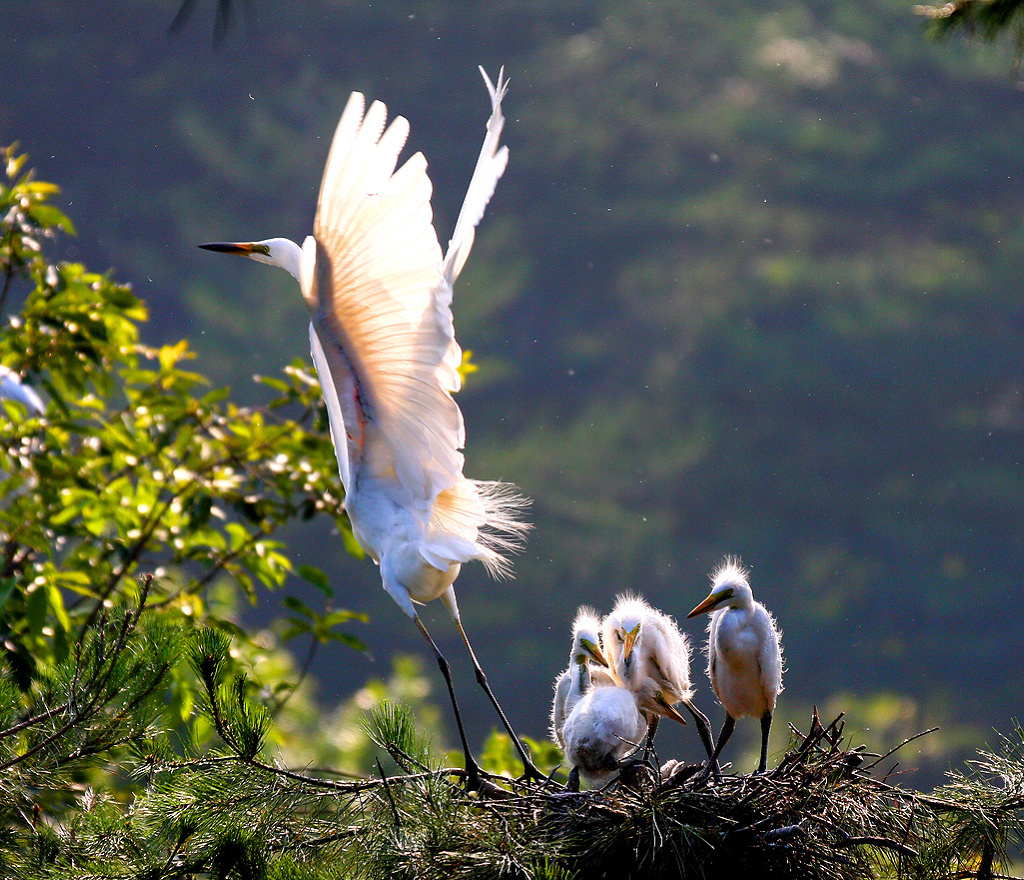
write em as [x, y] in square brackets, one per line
[600, 730]
[650, 656]
[579, 677]
[379, 292]
[744, 654]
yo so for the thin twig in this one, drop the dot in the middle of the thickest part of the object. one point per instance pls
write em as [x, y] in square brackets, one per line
[893, 751]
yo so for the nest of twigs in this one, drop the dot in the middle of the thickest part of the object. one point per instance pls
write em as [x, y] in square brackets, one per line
[818, 814]
[826, 811]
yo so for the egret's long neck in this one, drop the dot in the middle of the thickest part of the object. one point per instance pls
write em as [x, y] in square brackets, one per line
[581, 677]
[740, 609]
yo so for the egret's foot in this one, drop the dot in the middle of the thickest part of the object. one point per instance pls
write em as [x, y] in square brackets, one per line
[632, 772]
[476, 781]
[709, 769]
[549, 780]
[532, 774]
[574, 780]
[530, 771]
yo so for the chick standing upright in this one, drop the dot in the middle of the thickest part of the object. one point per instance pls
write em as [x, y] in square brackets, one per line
[744, 654]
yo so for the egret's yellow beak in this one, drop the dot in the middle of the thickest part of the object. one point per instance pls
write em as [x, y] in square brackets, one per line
[629, 640]
[667, 710]
[594, 652]
[242, 248]
[710, 603]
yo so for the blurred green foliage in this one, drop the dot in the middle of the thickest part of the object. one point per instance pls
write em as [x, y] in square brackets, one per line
[138, 467]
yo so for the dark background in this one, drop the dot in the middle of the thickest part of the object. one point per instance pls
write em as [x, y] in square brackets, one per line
[750, 285]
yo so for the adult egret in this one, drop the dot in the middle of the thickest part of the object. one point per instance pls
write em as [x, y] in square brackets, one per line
[650, 656]
[13, 388]
[578, 677]
[601, 729]
[744, 654]
[379, 292]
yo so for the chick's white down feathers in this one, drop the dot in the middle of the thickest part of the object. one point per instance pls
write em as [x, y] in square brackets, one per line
[647, 654]
[744, 646]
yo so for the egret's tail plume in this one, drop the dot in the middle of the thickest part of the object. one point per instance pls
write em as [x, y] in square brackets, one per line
[486, 514]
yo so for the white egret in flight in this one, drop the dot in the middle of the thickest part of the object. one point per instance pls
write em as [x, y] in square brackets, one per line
[600, 730]
[379, 292]
[650, 656]
[744, 654]
[579, 676]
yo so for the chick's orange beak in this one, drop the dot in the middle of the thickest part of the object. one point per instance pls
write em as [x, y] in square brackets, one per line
[594, 652]
[667, 710]
[629, 641]
[706, 605]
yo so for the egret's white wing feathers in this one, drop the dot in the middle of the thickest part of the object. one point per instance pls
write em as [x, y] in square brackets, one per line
[602, 727]
[481, 516]
[381, 302]
[339, 436]
[563, 685]
[489, 167]
[379, 268]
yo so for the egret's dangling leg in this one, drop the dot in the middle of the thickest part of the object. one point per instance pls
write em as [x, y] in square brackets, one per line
[652, 728]
[472, 768]
[530, 770]
[727, 728]
[703, 728]
[766, 727]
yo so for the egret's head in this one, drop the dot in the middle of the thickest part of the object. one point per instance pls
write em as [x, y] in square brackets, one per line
[586, 631]
[715, 600]
[623, 631]
[273, 251]
[729, 588]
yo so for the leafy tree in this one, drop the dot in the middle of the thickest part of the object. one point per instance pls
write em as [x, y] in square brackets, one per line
[137, 466]
[137, 471]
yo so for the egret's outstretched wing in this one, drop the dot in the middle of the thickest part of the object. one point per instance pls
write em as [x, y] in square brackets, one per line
[489, 167]
[378, 269]
[329, 381]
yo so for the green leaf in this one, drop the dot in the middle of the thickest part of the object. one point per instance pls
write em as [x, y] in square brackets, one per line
[315, 576]
[7, 586]
[49, 217]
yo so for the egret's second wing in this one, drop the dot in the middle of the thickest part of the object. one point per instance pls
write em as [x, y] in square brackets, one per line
[490, 165]
[378, 269]
[332, 381]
